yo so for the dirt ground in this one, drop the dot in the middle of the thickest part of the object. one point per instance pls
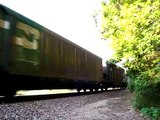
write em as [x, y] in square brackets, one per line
[116, 106]
[120, 107]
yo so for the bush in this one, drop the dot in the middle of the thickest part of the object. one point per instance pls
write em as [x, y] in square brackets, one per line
[130, 85]
[146, 87]
[153, 113]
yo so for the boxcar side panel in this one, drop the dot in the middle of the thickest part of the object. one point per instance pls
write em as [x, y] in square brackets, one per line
[69, 62]
[81, 64]
[91, 66]
[4, 37]
[99, 69]
[52, 59]
[118, 76]
[1, 37]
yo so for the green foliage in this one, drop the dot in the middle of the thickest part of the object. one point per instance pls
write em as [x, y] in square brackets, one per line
[133, 26]
[135, 32]
[112, 61]
[146, 88]
[130, 85]
[152, 112]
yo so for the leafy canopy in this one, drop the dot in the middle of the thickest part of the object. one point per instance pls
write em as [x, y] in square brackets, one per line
[134, 28]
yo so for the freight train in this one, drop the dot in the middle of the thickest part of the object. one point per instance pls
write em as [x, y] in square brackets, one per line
[33, 57]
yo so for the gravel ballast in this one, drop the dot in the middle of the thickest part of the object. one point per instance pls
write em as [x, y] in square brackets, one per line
[112, 105]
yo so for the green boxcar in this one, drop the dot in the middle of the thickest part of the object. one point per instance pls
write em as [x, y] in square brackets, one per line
[39, 58]
[21, 41]
[66, 60]
[114, 75]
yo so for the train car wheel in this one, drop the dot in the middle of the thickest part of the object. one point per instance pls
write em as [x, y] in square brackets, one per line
[101, 89]
[10, 93]
[96, 89]
[78, 90]
[91, 90]
[84, 90]
[106, 88]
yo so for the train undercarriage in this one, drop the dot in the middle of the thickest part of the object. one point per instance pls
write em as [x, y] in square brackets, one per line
[9, 84]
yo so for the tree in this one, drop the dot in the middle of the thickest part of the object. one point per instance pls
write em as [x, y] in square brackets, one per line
[133, 26]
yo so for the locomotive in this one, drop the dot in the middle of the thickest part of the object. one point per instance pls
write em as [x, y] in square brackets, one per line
[32, 57]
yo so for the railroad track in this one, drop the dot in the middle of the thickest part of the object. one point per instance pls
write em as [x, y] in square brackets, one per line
[15, 99]
[26, 98]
